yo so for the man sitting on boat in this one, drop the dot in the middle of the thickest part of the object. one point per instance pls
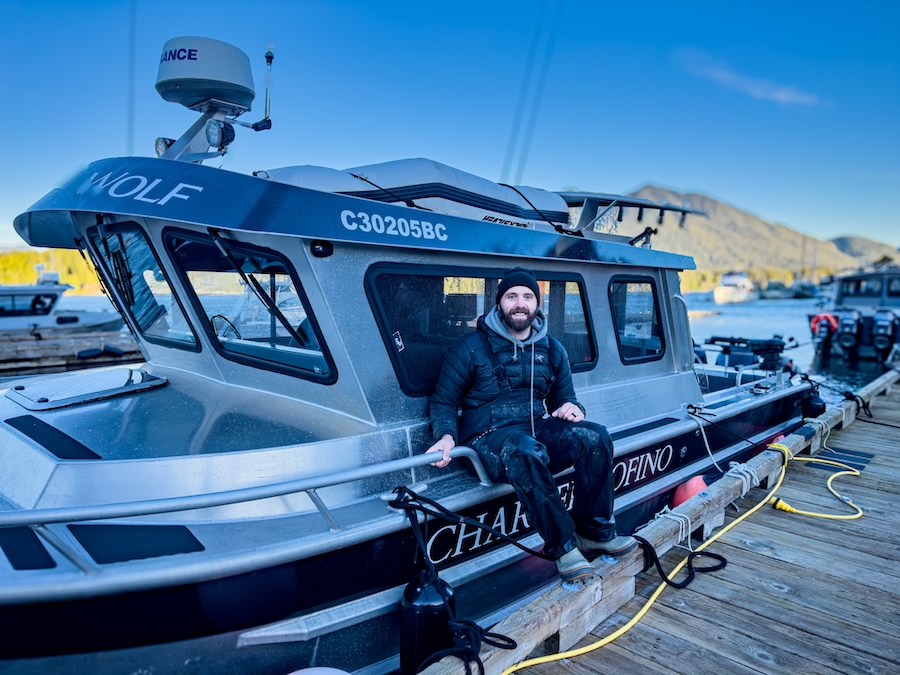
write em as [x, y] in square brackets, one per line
[506, 376]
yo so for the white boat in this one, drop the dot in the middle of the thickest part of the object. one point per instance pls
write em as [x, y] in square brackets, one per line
[34, 309]
[735, 287]
[225, 504]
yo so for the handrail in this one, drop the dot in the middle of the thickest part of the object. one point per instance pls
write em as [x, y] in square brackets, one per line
[171, 504]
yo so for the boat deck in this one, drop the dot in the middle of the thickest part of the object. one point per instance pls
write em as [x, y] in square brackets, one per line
[799, 594]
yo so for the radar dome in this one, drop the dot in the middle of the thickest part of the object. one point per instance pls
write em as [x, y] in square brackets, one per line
[193, 70]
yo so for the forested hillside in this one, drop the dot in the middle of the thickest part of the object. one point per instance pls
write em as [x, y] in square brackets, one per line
[17, 267]
[732, 239]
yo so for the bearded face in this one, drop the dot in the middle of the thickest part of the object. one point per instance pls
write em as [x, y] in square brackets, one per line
[518, 307]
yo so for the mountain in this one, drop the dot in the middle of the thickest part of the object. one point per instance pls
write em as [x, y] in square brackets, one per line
[731, 238]
[866, 249]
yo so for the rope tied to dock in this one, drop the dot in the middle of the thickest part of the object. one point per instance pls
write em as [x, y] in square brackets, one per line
[745, 474]
[684, 528]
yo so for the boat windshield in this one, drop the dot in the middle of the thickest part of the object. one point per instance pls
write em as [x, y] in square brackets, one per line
[862, 287]
[254, 304]
[132, 267]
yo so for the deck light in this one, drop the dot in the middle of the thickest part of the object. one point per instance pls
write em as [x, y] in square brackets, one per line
[640, 214]
[659, 220]
[219, 134]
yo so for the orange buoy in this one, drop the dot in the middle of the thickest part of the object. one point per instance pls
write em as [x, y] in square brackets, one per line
[688, 489]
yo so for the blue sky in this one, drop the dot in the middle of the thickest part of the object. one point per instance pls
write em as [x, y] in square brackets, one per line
[789, 110]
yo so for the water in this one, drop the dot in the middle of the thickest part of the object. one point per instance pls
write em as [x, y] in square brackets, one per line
[763, 319]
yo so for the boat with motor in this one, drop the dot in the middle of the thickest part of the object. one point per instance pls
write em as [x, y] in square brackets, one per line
[735, 287]
[34, 310]
[863, 321]
[227, 503]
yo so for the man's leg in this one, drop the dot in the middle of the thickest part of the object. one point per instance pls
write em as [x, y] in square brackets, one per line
[588, 447]
[518, 459]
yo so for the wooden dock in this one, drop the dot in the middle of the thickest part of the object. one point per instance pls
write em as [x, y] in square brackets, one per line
[799, 594]
[25, 355]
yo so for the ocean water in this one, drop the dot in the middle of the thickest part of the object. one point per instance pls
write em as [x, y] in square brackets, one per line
[760, 319]
[789, 319]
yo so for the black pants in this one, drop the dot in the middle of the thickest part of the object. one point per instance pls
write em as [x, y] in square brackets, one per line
[512, 455]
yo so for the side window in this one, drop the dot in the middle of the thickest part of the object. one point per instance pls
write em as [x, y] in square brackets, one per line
[129, 261]
[254, 305]
[421, 313]
[567, 315]
[27, 305]
[894, 287]
[635, 312]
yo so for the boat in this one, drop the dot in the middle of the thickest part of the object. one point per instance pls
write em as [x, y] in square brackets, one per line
[735, 287]
[228, 502]
[804, 288]
[34, 309]
[863, 319]
[776, 290]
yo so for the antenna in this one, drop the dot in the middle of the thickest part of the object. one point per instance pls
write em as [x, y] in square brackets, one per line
[265, 122]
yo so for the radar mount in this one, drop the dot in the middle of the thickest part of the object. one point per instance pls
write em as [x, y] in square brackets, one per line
[214, 79]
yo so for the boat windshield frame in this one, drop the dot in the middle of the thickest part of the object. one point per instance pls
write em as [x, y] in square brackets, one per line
[295, 348]
[142, 296]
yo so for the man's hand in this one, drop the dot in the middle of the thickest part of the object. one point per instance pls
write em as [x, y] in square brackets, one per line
[443, 446]
[568, 412]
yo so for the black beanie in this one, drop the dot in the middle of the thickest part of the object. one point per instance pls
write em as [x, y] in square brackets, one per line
[518, 277]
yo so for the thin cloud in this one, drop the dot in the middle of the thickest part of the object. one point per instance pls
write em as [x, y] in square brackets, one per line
[704, 65]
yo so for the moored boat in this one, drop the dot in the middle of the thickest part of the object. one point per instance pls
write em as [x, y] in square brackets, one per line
[34, 309]
[735, 287]
[863, 321]
[226, 502]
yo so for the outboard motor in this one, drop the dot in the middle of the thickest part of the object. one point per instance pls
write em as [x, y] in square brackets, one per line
[883, 329]
[848, 329]
[823, 325]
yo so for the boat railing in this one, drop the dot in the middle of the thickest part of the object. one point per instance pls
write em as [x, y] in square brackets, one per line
[34, 517]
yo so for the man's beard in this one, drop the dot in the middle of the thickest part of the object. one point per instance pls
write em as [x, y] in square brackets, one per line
[516, 323]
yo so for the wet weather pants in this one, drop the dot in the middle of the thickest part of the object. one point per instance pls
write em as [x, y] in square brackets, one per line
[511, 454]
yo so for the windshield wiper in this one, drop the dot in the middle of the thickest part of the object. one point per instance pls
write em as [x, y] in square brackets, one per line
[255, 286]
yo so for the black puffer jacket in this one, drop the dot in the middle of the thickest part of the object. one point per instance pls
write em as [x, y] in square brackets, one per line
[468, 381]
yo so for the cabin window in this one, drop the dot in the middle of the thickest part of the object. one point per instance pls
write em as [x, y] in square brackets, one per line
[422, 312]
[29, 304]
[865, 287]
[255, 308]
[134, 271]
[894, 287]
[635, 312]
